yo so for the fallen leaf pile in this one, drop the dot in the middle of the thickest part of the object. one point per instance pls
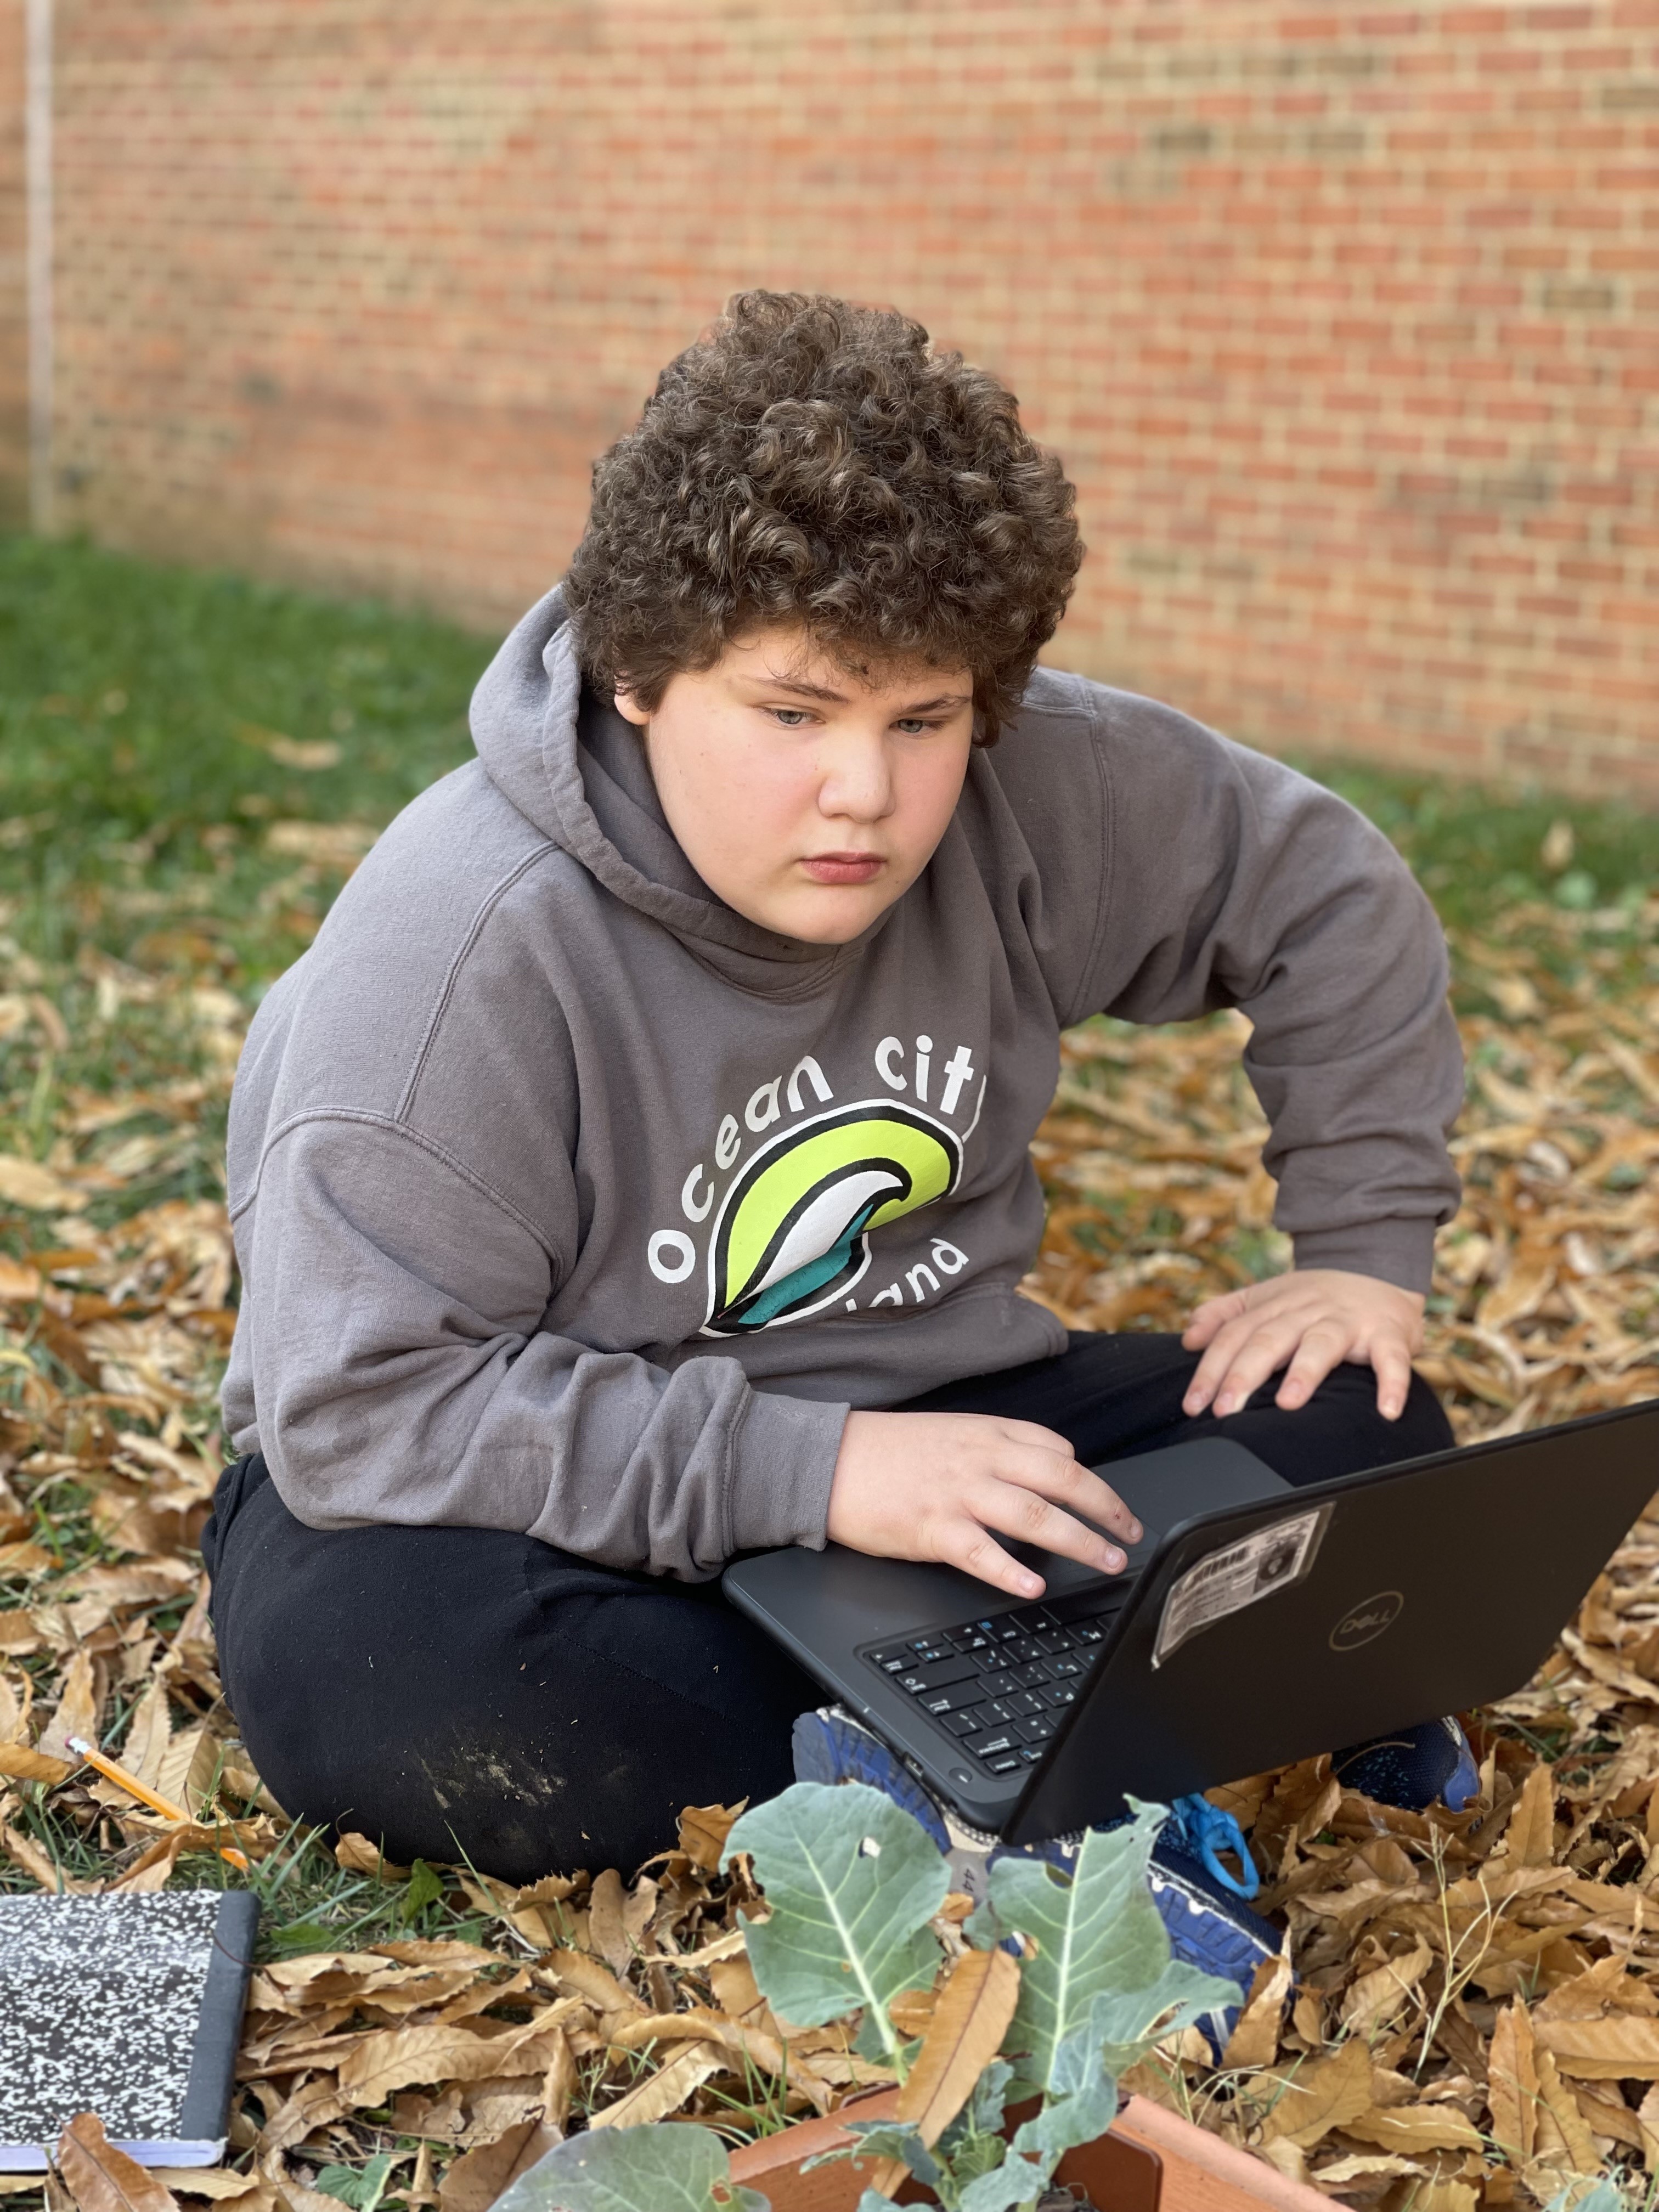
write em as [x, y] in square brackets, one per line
[1475, 2007]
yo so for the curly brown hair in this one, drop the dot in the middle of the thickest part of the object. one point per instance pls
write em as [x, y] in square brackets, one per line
[810, 461]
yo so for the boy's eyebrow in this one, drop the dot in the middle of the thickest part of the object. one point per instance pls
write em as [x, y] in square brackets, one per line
[806, 690]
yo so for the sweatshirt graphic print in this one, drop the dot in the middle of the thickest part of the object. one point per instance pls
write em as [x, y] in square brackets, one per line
[568, 1201]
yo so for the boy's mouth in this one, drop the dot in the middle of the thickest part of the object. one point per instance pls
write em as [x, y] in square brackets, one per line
[844, 867]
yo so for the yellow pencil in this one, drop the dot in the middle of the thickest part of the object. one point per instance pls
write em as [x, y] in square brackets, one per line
[144, 1794]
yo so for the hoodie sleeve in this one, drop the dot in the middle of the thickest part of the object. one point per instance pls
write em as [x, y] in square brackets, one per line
[1231, 880]
[402, 1375]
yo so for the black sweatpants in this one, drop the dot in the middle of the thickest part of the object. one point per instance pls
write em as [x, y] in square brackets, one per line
[464, 1691]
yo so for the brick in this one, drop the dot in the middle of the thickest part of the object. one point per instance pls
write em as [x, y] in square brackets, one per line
[1341, 318]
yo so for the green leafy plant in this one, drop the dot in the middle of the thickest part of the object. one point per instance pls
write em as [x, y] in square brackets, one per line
[852, 1883]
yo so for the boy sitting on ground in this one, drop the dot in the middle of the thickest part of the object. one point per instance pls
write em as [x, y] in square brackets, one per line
[635, 1170]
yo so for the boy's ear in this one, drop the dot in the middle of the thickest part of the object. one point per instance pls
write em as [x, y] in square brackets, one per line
[630, 709]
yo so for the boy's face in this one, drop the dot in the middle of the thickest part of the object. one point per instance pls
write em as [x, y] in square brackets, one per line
[805, 798]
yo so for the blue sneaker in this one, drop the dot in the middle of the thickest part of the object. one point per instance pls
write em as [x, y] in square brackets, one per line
[1201, 1902]
[1413, 1768]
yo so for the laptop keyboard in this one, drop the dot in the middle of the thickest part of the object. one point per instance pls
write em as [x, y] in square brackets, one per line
[1001, 1686]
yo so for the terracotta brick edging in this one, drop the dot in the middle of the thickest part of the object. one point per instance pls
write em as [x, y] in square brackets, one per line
[1200, 2173]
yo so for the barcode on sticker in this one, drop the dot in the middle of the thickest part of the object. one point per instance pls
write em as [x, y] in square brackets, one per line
[1225, 1582]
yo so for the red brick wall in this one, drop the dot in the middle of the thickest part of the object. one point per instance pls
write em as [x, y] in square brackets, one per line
[1343, 318]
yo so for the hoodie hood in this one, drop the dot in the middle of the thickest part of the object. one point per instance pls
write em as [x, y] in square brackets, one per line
[575, 767]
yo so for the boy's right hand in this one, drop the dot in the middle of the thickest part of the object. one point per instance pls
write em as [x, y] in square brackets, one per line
[935, 1486]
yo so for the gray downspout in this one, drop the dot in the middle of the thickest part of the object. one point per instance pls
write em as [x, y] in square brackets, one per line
[38, 113]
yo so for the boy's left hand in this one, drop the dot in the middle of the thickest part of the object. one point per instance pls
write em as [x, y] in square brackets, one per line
[1312, 1318]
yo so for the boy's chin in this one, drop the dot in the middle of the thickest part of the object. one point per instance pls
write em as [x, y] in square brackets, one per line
[820, 916]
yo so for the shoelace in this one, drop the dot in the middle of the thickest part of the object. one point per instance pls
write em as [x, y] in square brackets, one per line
[1205, 1831]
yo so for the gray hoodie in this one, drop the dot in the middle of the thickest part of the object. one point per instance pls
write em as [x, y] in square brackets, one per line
[568, 1201]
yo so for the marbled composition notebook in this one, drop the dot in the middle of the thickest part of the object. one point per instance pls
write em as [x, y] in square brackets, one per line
[128, 2006]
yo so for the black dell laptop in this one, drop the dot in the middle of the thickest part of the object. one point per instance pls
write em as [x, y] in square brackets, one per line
[1254, 1624]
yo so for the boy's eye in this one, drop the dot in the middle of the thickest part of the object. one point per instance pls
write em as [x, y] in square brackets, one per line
[792, 718]
[912, 725]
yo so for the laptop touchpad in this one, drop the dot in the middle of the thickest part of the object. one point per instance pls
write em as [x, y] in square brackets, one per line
[1163, 1488]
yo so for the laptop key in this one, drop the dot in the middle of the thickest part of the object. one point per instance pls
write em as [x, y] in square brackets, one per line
[1033, 1677]
[970, 1723]
[1050, 1640]
[1031, 1752]
[956, 1697]
[939, 1674]
[996, 1685]
[1058, 1694]
[988, 1746]
[1010, 1762]
[1065, 1668]
[1024, 1648]
[1025, 1704]
[1039, 1730]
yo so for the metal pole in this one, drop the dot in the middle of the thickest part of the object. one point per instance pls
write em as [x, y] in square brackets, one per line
[39, 164]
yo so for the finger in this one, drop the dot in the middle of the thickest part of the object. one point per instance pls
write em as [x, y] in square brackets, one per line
[1023, 1514]
[1066, 1482]
[1392, 1361]
[1225, 1348]
[973, 1550]
[1034, 1433]
[1267, 1347]
[1325, 1344]
[1208, 1318]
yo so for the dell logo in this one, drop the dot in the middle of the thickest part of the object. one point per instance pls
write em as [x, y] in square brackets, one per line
[1368, 1619]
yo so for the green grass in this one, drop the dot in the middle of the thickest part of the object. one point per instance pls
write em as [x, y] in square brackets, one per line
[138, 710]
[139, 705]
[1479, 853]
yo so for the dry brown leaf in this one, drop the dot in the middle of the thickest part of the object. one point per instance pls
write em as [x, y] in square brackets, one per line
[358, 1856]
[313, 2104]
[1379, 1996]
[1406, 2128]
[606, 1932]
[1322, 2095]
[1512, 2083]
[1255, 2038]
[77, 1709]
[970, 2021]
[472, 2182]
[663, 2092]
[17, 1284]
[25, 1559]
[1529, 1838]
[23, 1851]
[20, 1764]
[24, 1182]
[703, 1832]
[1623, 2048]
[1562, 2108]
[585, 1977]
[391, 2060]
[559, 2084]
[102, 2178]
[149, 1736]
[16, 1702]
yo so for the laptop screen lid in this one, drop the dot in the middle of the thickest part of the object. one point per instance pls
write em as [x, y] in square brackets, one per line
[1345, 1610]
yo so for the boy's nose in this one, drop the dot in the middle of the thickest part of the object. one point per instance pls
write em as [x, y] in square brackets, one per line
[857, 784]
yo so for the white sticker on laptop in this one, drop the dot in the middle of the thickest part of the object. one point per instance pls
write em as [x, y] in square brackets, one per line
[1225, 1582]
